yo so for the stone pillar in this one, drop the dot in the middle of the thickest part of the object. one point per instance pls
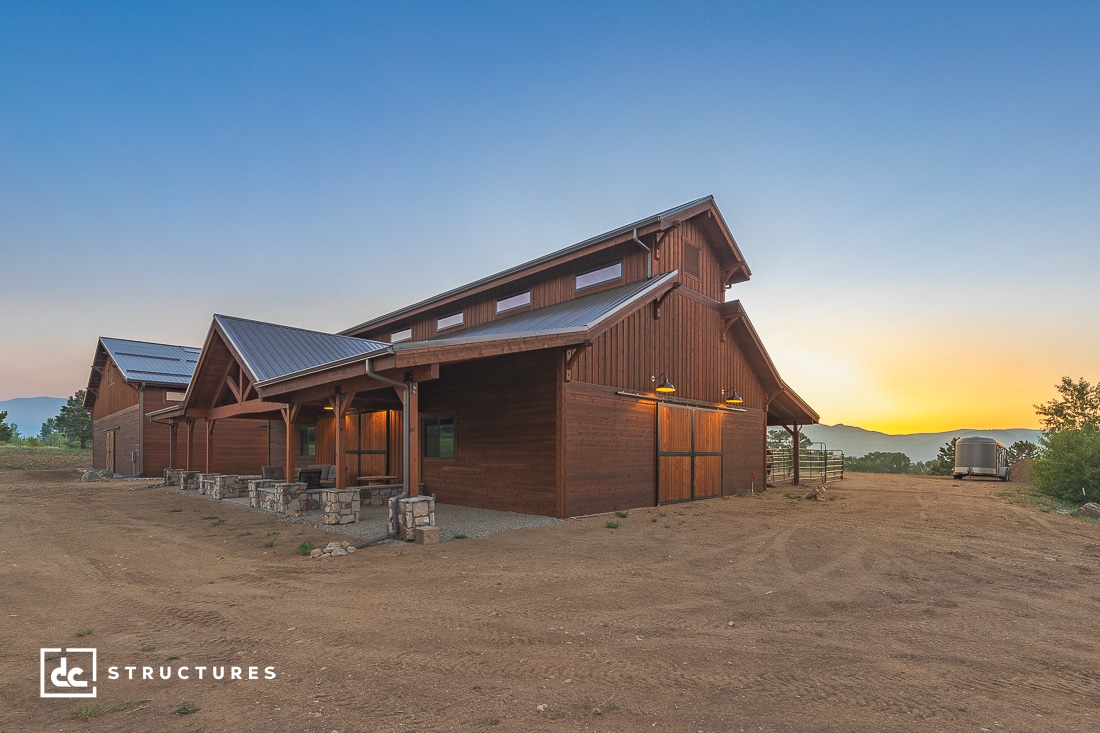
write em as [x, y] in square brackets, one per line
[412, 512]
[339, 506]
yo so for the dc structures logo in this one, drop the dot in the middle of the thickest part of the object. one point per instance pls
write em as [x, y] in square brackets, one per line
[67, 672]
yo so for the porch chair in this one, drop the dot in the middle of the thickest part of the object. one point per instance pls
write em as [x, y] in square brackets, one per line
[275, 473]
[311, 477]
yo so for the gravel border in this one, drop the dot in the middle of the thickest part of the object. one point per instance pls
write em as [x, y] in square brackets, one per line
[454, 522]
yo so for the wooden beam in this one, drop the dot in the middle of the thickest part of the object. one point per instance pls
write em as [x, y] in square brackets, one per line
[571, 356]
[290, 414]
[660, 301]
[251, 407]
[190, 437]
[340, 403]
[210, 446]
[236, 390]
[414, 439]
[661, 240]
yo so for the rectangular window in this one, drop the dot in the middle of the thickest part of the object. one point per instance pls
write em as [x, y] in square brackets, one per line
[308, 437]
[602, 275]
[691, 260]
[439, 437]
[401, 335]
[170, 396]
[449, 322]
[515, 301]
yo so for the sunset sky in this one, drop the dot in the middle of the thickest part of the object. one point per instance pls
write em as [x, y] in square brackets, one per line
[916, 186]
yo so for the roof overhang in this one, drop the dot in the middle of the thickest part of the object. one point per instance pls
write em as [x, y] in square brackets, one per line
[784, 406]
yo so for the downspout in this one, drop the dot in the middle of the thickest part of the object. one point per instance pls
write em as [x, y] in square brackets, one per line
[649, 255]
[405, 445]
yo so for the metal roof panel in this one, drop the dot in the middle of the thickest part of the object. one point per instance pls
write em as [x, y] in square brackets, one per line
[142, 361]
[271, 351]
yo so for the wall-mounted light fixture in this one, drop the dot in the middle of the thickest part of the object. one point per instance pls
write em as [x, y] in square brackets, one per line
[730, 397]
[663, 386]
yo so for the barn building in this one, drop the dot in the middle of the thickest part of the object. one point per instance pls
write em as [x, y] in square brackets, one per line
[610, 374]
[130, 379]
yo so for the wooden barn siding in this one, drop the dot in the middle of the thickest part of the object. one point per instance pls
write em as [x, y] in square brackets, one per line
[743, 437]
[125, 423]
[240, 446]
[114, 397]
[685, 343]
[547, 288]
[610, 458]
[505, 433]
[671, 254]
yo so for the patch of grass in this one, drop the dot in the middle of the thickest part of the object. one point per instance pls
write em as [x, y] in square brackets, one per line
[245, 534]
[43, 458]
[85, 632]
[301, 531]
[1026, 496]
[207, 519]
[608, 706]
[667, 525]
[171, 659]
[272, 534]
[654, 519]
[305, 548]
[87, 711]
[177, 509]
[186, 708]
[460, 536]
[269, 544]
[612, 524]
[148, 648]
[217, 521]
[622, 515]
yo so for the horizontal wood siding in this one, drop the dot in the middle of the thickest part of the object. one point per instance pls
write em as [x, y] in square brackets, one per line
[125, 424]
[240, 446]
[743, 437]
[610, 444]
[505, 433]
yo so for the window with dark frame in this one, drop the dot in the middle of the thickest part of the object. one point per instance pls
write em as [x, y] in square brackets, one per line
[308, 441]
[439, 437]
[601, 275]
[515, 301]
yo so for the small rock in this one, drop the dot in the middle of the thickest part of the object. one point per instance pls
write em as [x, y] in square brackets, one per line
[97, 474]
[316, 552]
[1092, 509]
[351, 549]
[339, 552]
[345, 544]
[542, 708]
[818, 494]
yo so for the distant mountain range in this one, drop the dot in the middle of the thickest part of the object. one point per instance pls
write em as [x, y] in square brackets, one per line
[918, 446]
[30, 412]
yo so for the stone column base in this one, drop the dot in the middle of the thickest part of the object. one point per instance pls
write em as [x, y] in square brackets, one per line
[412, 512]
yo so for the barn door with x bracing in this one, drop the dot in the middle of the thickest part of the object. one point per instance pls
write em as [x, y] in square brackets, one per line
[689, 453]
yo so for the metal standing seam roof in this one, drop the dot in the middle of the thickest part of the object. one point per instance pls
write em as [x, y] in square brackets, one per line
[141, 361]
[579, 314]
[270, 351]
[545, 258]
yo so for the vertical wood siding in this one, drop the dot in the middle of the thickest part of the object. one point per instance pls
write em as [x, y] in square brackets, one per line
[505, 433]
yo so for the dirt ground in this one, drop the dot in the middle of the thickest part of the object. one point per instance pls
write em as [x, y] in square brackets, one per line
[903, 603]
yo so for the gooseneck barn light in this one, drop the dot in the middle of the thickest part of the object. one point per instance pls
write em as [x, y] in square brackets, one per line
[663, 386]
[733, 398]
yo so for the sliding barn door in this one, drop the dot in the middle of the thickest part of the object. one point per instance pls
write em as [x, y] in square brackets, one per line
[689, 453]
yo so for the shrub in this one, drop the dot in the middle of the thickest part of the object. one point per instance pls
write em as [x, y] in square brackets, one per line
[305, 548]
[1070, 462]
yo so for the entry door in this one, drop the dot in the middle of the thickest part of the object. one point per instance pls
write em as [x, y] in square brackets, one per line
[689, 453]
[110, 435]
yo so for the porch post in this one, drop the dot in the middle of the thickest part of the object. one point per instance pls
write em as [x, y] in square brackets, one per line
[171, 442]
[340, 403]
[210, 445]
[290, 414]
[413, 429]
[795, 435]
[190, 438]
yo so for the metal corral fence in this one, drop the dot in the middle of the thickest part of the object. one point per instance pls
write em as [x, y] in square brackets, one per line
[815, 465]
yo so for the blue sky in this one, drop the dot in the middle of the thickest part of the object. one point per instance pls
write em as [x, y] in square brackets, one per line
[914, 185]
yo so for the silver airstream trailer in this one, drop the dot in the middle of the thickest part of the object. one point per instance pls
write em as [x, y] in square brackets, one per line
[979, 456]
